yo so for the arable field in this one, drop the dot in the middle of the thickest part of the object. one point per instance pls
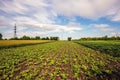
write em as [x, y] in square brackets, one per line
[61, 60]
[109, 47]
[15, 43]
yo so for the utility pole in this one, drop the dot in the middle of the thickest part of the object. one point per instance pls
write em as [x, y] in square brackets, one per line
[15, 36]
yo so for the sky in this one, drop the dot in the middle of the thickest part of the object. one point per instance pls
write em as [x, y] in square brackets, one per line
[63, 18]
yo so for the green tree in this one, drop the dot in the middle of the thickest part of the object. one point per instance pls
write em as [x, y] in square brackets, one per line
[54, 38]
[0, 36]
[47, 38]
[69, 38]
[37, 38]
[25, 37]
[43, 38]
[105, 37]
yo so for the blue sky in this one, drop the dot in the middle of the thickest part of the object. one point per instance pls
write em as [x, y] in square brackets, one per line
[63, 18]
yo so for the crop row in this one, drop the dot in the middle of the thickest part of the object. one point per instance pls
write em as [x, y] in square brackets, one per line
[109, 47]
[56, 61]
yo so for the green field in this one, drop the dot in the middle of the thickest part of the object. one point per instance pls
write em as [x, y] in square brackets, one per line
[109, 47]
[60, 60]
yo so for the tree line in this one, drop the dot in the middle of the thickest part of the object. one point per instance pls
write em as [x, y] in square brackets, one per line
[32, 38]
[57, 38]
[36, 38]
[102, 38]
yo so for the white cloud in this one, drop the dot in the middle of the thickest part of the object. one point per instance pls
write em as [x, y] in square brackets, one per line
[45, 16]
[115, 34]
[26, 24]
[12, 7]
[22, 20]
[45, 29]
[5, 22]
[116, 17]
[103, 27]
[84, 8]
[91, 9]
[33, 23]
[52, 27]
[42, 15]
[73, 8]
[22, 7]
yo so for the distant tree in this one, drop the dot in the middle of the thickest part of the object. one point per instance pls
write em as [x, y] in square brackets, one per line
[37, 38]
[105, 37]
[83, 39]
[0, 36]
[51, 38]
[32, 38]
[16, 38]
[117, 38]
[43, 38]
[47, 38]
[102, 38]
[69, 38]
[54, 38]
[25, 37]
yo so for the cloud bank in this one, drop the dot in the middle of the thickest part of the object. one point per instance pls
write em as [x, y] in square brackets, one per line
[43, 15]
